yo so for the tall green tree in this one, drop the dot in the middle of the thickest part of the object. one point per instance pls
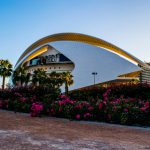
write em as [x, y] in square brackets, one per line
[5, 70]
[27, 78]
[39, 77]
[15, 77]
[68, 80]
[21, 76]
[55, 79]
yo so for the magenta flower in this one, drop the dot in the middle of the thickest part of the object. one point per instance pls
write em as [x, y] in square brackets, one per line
[87, 115]
[126, 100]
[117, 100]
[52, 110]
[90, 108]
[147, 104]
[105, 95]
[104, 102]
[36, 109]
[23, 99]
[60, 102]
[78, 116]
[100, 106]
[125, 110]
[143, 109]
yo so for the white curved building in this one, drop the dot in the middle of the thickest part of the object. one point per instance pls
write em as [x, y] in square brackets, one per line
[82, 55]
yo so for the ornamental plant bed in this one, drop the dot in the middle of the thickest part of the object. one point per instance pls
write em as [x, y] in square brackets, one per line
[124, 104]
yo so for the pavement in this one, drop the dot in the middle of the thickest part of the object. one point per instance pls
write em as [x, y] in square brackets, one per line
[21, 132]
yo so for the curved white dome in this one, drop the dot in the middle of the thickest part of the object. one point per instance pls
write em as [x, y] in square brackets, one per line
[88, 58]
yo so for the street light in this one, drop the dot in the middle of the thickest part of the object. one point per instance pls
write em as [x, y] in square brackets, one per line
[94, 74]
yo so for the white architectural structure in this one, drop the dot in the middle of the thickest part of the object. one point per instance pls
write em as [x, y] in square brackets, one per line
[82, 55]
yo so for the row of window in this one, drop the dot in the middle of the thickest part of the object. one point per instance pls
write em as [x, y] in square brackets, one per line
[32, 70]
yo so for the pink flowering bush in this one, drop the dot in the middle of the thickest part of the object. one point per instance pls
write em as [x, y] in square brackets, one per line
[84, 108]
[65, 107]
[21, 98]
[36, 109]
[3, 104]
[124, 104]
[62, 108]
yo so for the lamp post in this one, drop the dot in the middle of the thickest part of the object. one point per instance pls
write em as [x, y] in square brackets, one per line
[94, 74]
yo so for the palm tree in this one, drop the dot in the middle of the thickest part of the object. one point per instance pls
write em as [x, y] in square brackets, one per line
[55, 79]
[27, 78]
[5, 70]
[15, 77]
[39, 76]
[53, 74]
[21, 76]
[67, 78]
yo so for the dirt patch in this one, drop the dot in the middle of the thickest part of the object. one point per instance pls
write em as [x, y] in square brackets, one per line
[21, 132]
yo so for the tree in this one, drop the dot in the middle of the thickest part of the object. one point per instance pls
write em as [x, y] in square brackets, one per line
[68, 80]
[21, 76]
[5, 70]
[39, 76]
[55, 79]
[15, 77]
[27, 78]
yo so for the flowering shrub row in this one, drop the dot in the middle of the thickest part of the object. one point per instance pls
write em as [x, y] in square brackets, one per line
[21, 99]
[115, 104]
[115, 110]
[141, 91]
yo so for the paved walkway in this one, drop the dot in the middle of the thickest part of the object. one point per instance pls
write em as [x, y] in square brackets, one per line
[21, 132]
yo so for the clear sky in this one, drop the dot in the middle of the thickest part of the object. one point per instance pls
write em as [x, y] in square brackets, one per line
[125, 23]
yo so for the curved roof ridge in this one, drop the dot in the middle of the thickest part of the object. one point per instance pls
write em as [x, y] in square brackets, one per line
[69, 36]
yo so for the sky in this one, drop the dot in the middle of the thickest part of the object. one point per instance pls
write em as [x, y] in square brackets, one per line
[125, 23]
